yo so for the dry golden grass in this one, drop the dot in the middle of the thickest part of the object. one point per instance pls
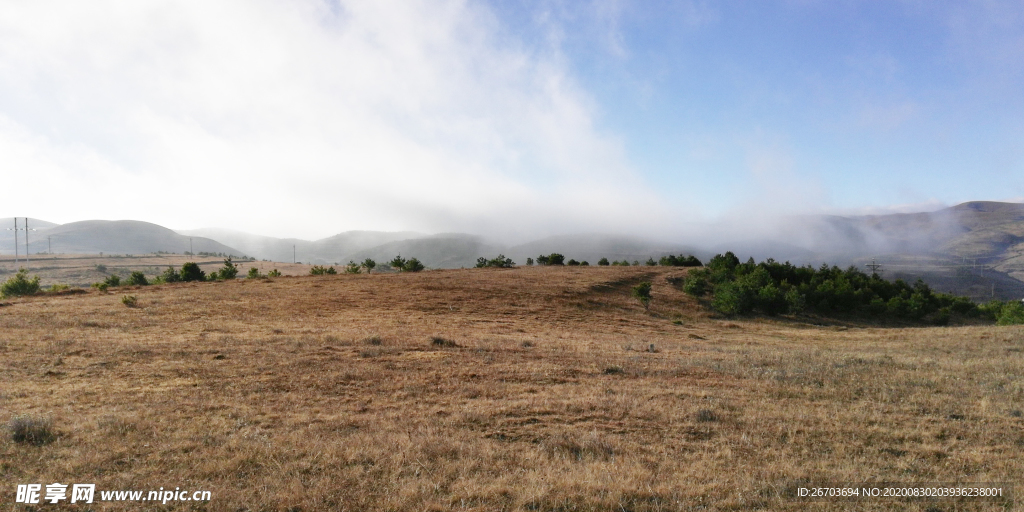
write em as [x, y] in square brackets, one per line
[330, 393]
[81, 269]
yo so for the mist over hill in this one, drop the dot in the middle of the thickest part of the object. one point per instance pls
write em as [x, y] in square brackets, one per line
[109, 236]
[974, 249]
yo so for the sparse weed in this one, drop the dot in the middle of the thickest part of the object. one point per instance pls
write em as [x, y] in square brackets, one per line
[438, 341]
[32, 430]
[706, 416]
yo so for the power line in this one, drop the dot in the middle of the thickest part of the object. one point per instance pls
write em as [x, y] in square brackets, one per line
[876, 268]
[15, 241]
[26, 240]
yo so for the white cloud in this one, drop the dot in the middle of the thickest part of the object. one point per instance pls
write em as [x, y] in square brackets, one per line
[302, 118]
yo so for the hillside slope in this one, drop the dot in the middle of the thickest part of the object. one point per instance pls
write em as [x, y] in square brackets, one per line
[123, 237]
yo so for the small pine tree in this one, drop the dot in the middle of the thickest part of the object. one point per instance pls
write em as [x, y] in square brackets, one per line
[170, 276]
[413, 265]
[353, 267]
[529, 262]
[368, 264]
[229, 270]
[254, 273]
[191, 272]
[137, 278]
[397, 263]
[20, 284]
[642, 293]
[274, 273]
[603, 262]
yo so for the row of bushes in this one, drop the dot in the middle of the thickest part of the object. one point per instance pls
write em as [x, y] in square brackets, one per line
[773, 288]
[559, 259]
[499, 262]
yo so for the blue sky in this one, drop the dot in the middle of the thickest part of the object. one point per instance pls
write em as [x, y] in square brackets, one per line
[511, 119]
[871, 104]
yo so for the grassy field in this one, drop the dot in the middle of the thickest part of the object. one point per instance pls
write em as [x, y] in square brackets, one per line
[84, 269]
[524, 389]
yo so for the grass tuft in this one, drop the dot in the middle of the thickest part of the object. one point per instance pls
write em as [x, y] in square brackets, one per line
[438, 341]
[32, 430]
[706, 415]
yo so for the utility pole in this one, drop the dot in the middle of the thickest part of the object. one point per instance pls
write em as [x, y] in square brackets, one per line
[15, 241]
[49, 247]
[26, 241]
[875, 267]
[190, 253]
[293, 253]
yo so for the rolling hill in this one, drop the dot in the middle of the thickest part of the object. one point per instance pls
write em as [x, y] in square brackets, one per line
[115, 236]
[974, 248]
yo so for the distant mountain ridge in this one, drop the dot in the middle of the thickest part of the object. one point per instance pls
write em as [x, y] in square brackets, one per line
[975, 246]
[109, 236]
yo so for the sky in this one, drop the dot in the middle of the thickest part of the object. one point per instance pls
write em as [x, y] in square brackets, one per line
[509, 119]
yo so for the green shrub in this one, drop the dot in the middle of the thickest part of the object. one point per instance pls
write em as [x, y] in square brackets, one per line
[500, 262]
[54, 288]
[642, 293]
[353, 267]
[696, 283]
[368, 264]
[101, 268]
[572, 263]
[170, 276]
[774, 288]
[584, 263]
[320, 270]
[274, 273]
[603, 262]
[529, 262]
[254, 273]
[1012, 313]
[679, 261]
[102, 287]
[20, 284]
[129, 300]
[137, 278]
[191, 272]
[413, 265]
[551, 259]
[112, 281]
[397, 263]
[650, 262]
[229, 270]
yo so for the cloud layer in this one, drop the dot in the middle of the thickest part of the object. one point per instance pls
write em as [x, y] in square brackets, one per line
[303, 118]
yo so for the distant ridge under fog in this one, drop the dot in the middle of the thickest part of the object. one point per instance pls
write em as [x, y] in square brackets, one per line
[976, 246]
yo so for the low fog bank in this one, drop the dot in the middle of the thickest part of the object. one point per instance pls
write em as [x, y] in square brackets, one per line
[975, 246]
